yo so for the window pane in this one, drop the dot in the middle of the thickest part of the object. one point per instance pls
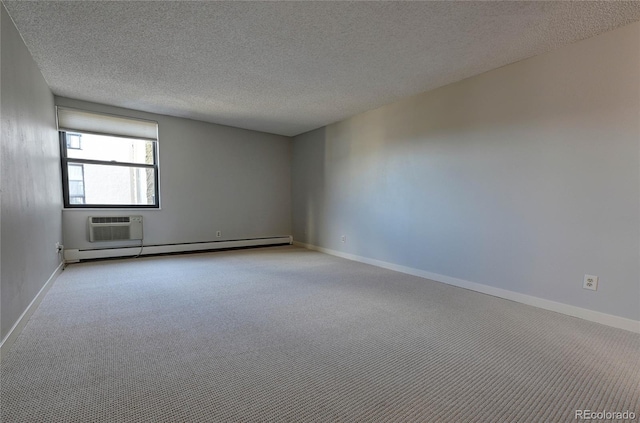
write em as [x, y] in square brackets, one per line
[76, 188]
[117, 185]
[73, 141]
[106, 148]
[75, 172]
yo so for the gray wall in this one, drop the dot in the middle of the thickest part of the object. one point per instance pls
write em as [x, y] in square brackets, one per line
[212, 178]
[523, 178]
[30, 174]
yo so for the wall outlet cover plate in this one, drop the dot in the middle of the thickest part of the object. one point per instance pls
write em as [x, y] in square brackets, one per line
[590, 282]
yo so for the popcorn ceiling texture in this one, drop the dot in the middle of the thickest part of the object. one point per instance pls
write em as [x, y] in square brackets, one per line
[288, 67]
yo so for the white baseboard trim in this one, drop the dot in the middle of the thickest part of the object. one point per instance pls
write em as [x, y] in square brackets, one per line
[582, 313]
[74, 256]
[13, 334]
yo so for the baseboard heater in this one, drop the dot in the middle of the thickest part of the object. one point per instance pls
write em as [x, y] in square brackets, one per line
[74, 256]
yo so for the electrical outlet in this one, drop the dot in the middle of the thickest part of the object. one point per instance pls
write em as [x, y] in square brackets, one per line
[218, 234]
[590, 282]
[343, 238]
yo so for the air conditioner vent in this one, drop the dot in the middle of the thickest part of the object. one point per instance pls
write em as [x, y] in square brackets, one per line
[111, 219]
[111, 233]
[115, 228]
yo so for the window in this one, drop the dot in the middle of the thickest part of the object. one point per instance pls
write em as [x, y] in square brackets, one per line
[76, 183]
[108, 170]
[73, 141]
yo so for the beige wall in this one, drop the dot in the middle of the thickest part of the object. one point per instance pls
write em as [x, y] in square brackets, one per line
[523, 178]
[30, 174]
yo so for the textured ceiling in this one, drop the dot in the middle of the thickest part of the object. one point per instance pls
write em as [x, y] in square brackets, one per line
[288, 67]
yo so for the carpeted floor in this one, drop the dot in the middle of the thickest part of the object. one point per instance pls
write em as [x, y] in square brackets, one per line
[286, 334]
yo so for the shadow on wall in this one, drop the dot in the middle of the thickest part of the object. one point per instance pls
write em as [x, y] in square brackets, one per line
[307, 186]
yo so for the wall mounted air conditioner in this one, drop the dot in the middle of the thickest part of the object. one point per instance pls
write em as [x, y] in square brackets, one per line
[114, 228]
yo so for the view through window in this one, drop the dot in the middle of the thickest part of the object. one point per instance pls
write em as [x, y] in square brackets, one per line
[109, 171]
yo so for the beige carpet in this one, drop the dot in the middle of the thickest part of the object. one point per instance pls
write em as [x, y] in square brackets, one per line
[286, 334]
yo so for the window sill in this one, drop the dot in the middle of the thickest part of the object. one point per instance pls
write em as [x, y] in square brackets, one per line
[109, 209]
